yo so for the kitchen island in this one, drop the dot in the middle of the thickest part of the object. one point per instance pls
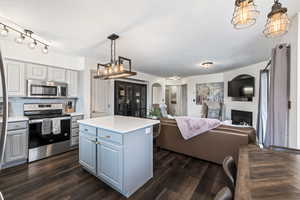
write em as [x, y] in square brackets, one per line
[118, 150]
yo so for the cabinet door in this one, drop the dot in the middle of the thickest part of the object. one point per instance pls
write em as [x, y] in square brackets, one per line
[16, 146]
[110, 163]
[55, 74]
[87, 152]
[15, 78]
[72, 80]
[36, 72]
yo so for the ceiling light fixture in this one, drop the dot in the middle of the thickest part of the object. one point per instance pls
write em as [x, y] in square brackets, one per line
[174, 78]
[45, 49]
[245, 14]
[20, 39]
[4, 31]
[206, 64]
[278, 21]
[115, 68]
[23, 34]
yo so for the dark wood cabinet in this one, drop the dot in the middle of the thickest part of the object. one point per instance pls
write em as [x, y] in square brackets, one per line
[130, 99]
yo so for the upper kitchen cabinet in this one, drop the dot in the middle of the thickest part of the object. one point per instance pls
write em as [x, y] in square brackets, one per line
[56, 74]
[15, 78]
[36, 72]
[72, 80]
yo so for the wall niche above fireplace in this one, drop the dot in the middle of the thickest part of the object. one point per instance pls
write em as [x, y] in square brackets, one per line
[242, 88]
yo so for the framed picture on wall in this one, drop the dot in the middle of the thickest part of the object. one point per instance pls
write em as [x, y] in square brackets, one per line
[213, 92]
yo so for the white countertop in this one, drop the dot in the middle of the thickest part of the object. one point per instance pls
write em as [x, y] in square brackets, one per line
[16, 119]
[75, 114]
[120, 124]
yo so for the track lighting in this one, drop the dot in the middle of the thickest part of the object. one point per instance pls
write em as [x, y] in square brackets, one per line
[23, 34]
[4, 31]
[20, 39]
[45, 49]
[32, 44]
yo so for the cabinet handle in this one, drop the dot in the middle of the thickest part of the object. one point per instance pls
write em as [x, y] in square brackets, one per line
[107, 136]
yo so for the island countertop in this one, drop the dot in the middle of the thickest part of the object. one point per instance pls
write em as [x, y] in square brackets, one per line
[119, 124]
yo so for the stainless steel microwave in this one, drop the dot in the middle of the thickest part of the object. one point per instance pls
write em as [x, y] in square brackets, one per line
[46, 89]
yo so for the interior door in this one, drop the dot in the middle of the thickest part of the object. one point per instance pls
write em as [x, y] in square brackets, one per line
[100, 97]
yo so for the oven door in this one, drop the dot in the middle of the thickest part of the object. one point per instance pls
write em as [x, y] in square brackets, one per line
[38, 139]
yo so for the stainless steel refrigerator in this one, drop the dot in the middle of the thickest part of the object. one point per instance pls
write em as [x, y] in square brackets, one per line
[3, 130]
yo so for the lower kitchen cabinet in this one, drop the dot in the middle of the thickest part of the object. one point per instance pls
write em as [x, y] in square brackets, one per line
[110, 163]
[16, 146]
[87, 153]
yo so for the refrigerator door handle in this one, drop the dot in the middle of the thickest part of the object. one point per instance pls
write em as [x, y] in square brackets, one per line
[3, 133]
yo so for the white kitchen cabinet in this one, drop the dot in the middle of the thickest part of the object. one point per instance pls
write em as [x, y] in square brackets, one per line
[36, 72]
[15, 78]
[72, 80]
[87, 153]
[56, 74]
[110, 163]
[16, 146]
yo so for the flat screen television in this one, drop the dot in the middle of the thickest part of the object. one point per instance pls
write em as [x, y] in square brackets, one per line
[242, 86]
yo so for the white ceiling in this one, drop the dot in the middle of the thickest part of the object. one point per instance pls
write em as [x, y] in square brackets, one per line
[163, 37]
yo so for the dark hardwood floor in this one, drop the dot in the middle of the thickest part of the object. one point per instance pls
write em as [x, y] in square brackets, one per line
[176, 177]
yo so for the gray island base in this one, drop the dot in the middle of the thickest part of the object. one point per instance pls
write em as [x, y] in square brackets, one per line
[118, 150]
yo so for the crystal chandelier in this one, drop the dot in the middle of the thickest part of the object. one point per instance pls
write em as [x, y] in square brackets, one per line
[245, 14]
[278, 21]
[115, 68]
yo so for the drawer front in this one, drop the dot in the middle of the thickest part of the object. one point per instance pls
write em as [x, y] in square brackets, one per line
[74, 140]
[76, 118]
[88, 130]
[75, 125]
[16, 125]
[110, 136]
[75, 132]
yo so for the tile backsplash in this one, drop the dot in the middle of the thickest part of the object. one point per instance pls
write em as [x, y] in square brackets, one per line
[15, 105]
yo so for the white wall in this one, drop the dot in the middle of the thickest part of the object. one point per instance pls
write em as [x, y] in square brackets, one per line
[193, 109]
[293, 38]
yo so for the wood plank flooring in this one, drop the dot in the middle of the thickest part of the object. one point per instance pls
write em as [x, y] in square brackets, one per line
[176, 177]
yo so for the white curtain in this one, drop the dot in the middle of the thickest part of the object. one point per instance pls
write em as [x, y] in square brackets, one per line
[263, 106]
[277, 122]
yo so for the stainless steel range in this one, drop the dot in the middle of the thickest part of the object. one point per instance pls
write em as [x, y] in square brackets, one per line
[49, 130]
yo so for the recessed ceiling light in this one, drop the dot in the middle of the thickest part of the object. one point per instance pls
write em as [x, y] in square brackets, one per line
[206, 64]
[174, 78]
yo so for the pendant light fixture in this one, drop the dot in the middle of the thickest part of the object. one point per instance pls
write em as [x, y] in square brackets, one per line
[22, 35]
[278, 21]
[245, 14]
[115, 68]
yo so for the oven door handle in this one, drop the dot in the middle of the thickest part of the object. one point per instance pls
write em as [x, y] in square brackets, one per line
[35, 121]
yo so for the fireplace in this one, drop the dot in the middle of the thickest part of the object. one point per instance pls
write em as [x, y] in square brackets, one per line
[239, 117]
